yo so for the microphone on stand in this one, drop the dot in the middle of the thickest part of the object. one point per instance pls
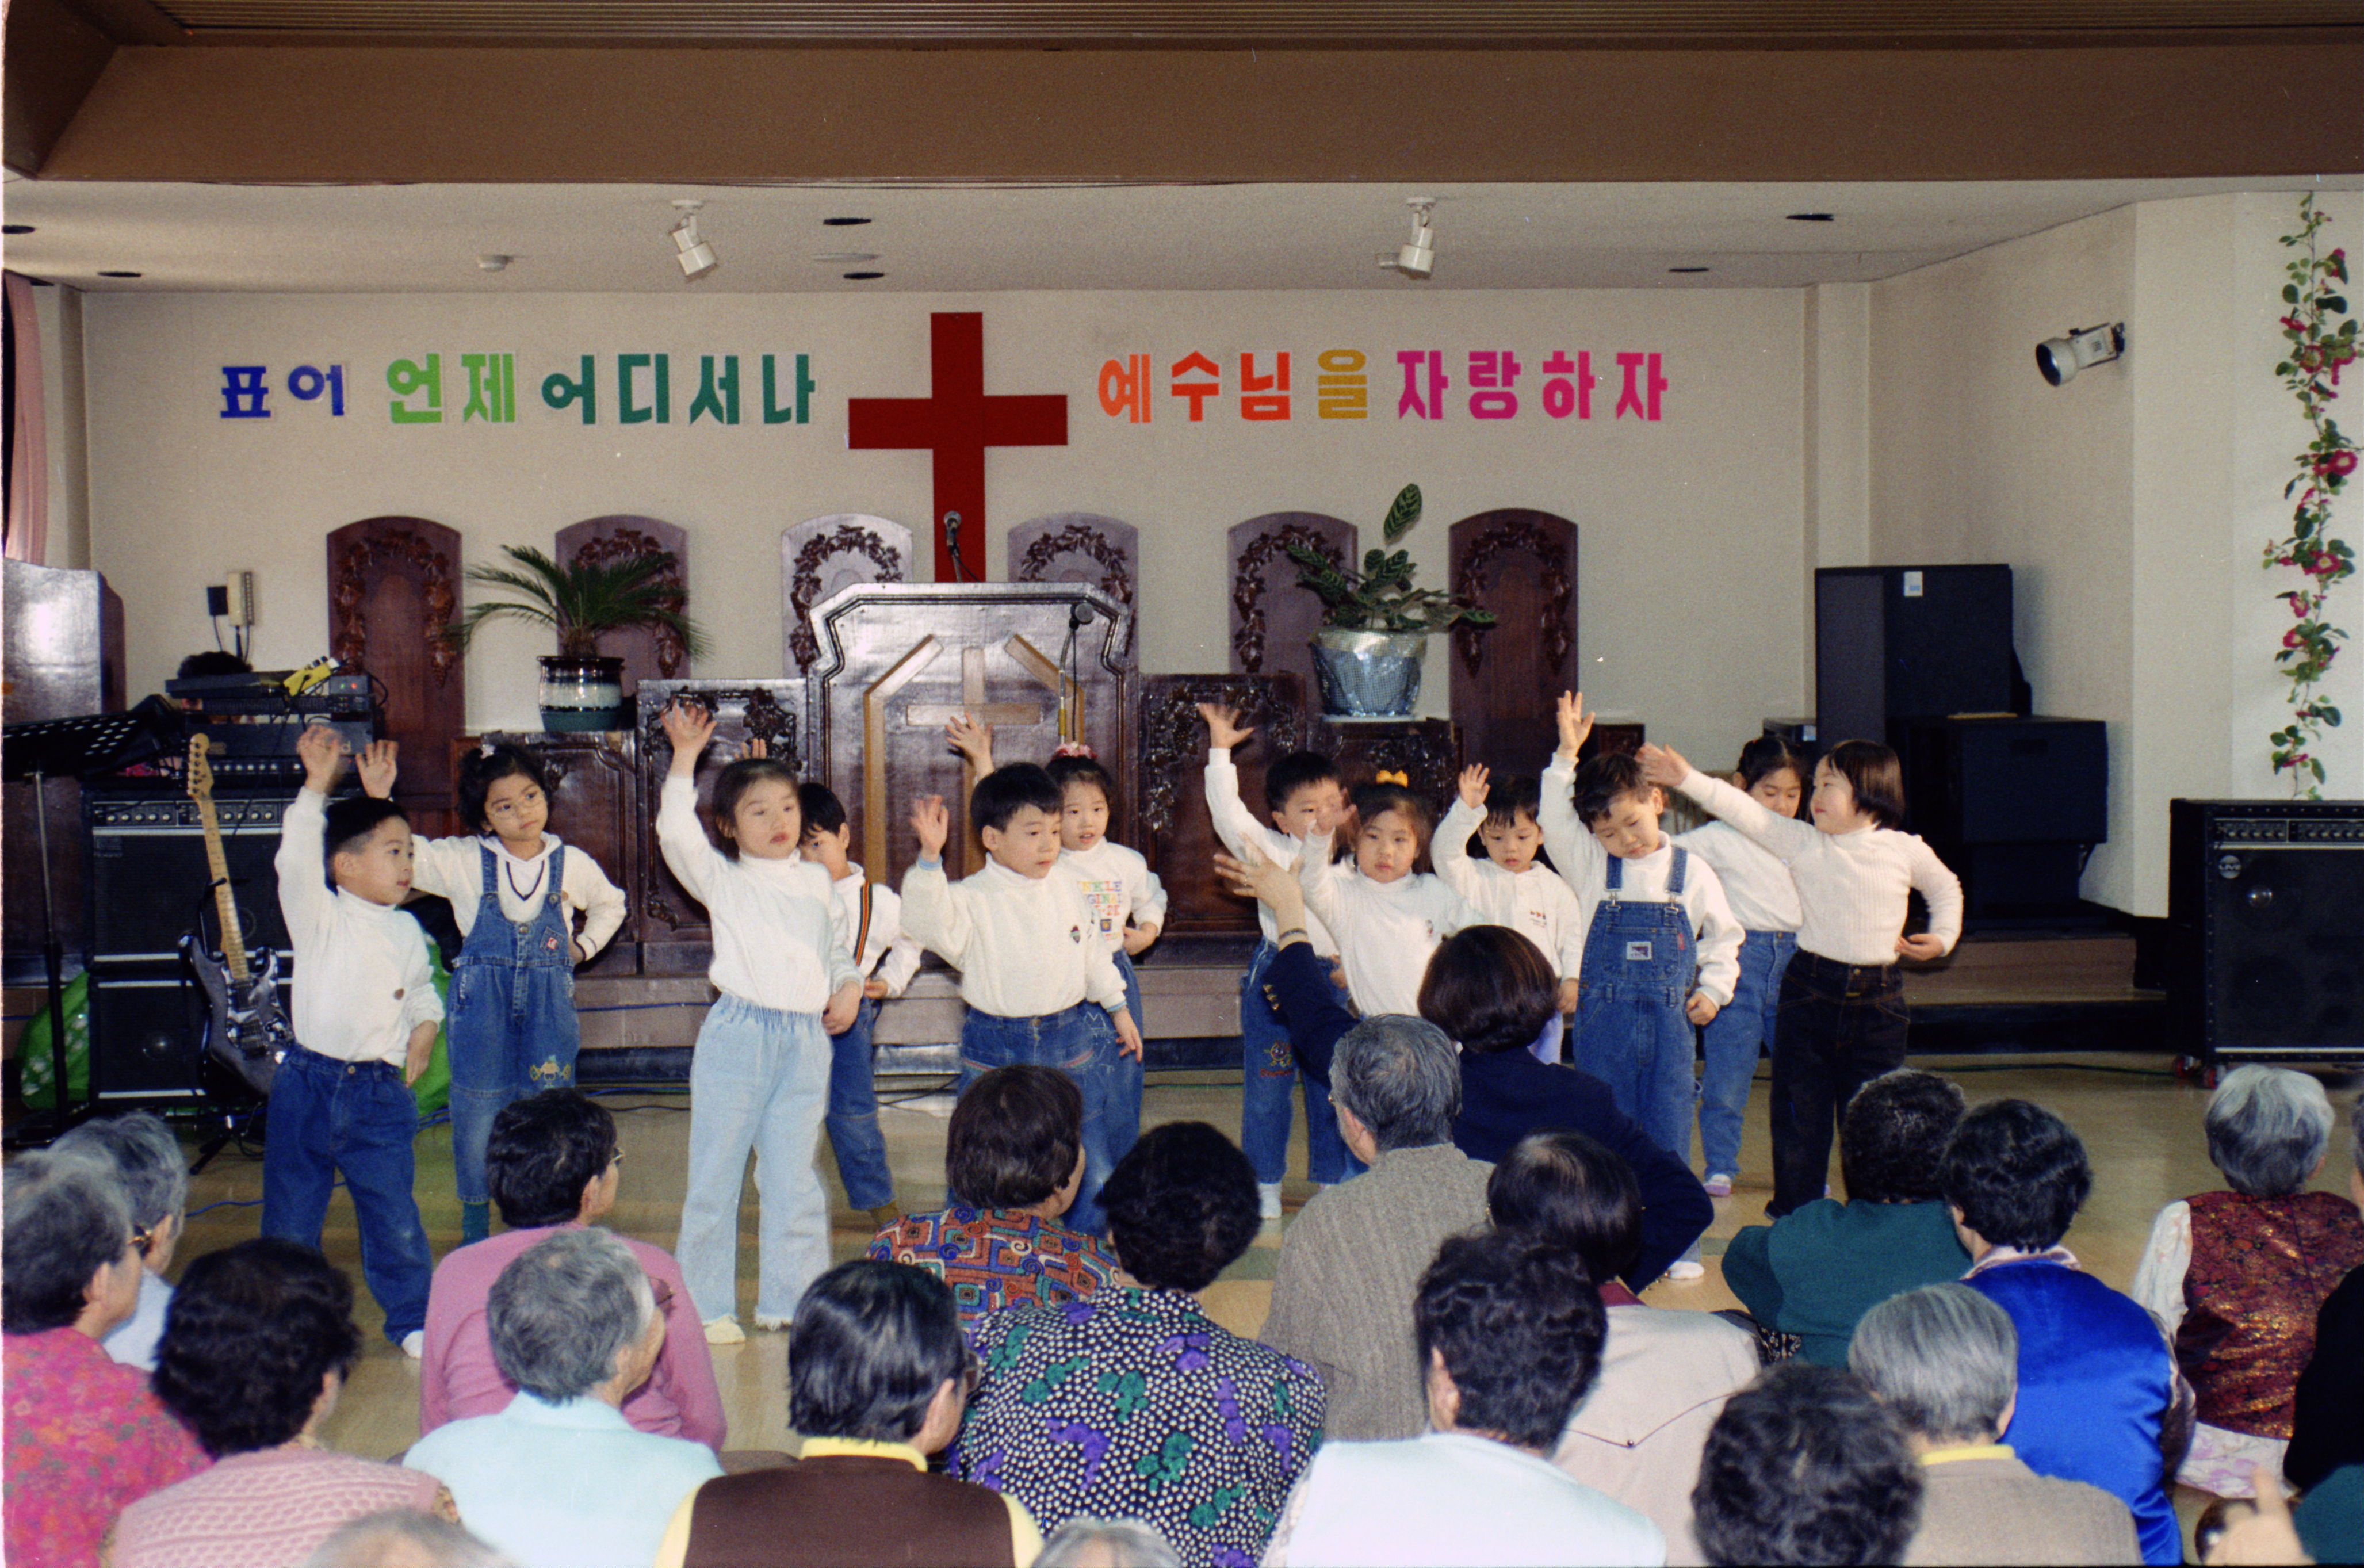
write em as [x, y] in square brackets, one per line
[952, 545]
[1079, 614]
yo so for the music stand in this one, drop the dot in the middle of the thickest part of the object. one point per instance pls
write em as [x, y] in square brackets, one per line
[75, 748]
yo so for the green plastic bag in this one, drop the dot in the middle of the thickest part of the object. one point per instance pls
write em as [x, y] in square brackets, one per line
[39, 1052]
[433, 1090]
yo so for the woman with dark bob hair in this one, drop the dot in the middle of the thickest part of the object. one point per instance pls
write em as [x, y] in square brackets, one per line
[1493, 992]
[1013, 1163]
[255, 1351]
[1135, 1403]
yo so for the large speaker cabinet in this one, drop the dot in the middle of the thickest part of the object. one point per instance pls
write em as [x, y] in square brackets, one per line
[2266, 911]
[1902, 642]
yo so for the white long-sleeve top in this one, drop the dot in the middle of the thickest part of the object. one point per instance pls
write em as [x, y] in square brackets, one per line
[1852, 887]
[454, 869]
[1386, 931]
[1236, 826]
[1026, 946]
[1584, 862]
[362, 980]
[1117, 887]
[776, 942]
[888, 950]
[1537, 903]
[1763, 895]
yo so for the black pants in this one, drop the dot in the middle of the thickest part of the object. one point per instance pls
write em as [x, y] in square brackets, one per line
[1840, 1026]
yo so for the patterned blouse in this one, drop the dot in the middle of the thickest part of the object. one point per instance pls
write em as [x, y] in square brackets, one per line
[84, 1438]
[996, 1257]
[1136, 1405]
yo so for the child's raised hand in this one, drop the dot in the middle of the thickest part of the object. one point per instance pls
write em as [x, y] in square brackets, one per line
[375, 764]
[1223, 730]
[322, 752]
[1575, 725]
[1922, 947]
[1473, 786]
[1701, 1009]
[758, 747]
[970, 739]
[932, 823]
[1128, 1034]
[1663, 765]
[689, 726]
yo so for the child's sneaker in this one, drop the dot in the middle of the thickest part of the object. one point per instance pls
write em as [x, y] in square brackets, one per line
[724, 1331]
[770, 1324]
[1718, 1184]
[414, 1344]
[1685, 1269]
[1268, 1200]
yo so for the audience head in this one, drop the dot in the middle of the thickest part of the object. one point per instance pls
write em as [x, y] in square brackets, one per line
[504, 790]
[1859, 784]
[1016, 1140]
[369, 848]
[1944, 1359]
[1513, 1322]
[1489, 989]
[1619, 805]
[545, 1152]
[67, 1252]
[403, 1538]
[573, 1313]
[1804, 1466]
[1087, 1543]
[1401, 1078]
[2268, 1127]
[1017, 812]
[875, 1348]
[1574, 1191]
[1181, 1207]
[1893, 1137]
[1303, 792]
[1392, 833]
[154, 1173]
[2017, 1174]
[260, 1337]
[755, 809]
[1086, 799]
[1772, 771]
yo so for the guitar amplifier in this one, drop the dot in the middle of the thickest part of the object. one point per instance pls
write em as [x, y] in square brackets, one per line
[148, 879]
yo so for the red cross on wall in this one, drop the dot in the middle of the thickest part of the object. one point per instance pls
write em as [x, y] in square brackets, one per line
[957, 423]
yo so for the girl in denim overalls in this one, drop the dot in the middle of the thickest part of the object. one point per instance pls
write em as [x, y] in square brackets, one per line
[515, 890]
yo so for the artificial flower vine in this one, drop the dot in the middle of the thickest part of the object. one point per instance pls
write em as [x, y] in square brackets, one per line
[2319, 345]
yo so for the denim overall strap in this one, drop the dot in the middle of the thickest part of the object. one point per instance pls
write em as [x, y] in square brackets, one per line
[1641, 948]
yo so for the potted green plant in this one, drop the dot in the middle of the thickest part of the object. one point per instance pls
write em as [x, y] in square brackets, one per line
[1374, 624]
[581, 689]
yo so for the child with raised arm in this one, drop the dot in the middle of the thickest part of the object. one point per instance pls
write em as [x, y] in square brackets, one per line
[1511, 887]
[365, 1017]
[1040, 985]
[1305, 802]
[871, 915]
[758, 1078]
[1390, 917]
[1661, 948]
[515, 892]
[1842, 1007]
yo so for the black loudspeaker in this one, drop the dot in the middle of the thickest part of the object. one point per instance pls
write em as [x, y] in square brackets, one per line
[149, 883]
[2012, 804]
[146, 1030]
[1904, 642]
[2265, 904]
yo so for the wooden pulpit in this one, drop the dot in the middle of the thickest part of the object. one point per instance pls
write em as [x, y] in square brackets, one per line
[1521, 564]
[649, 653]
[1038, 662]
[394, 586]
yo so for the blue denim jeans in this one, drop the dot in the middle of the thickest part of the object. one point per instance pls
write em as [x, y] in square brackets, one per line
[852, 1119]
[758, 1081]
[1080, 1042]
[1732, 1041]
[327, 1118]
[1267, 1075]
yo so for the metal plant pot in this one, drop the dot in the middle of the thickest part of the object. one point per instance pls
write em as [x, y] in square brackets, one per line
[1368, 674]
[583, 694]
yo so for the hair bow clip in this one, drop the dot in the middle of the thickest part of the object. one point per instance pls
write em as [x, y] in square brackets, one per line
[485, 747]
[1395, 778]
[1074, 749]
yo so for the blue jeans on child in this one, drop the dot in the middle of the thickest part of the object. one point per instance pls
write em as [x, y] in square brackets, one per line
[1268, 1074]
[853, 1119]
[1631, 1031]
[758, 1080]
[511, 1026]
[1732, 1041]
[1080, 1042]
[328, 1117]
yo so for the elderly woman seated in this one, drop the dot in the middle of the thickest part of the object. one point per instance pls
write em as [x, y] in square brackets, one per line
[261, 1338]
[1944, 1360]
[1013, 1163]
[155, 1177]
[1664, 1374]
[559, 1479]
[1135, 1403]
[84, 1435]
[1805, 1466]
[2238, 1276]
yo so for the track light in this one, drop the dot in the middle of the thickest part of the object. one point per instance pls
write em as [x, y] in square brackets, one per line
[696, 256]
[2059, 359]
[1416, 259]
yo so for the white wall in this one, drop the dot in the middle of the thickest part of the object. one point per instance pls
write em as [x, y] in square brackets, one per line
[1692, 537]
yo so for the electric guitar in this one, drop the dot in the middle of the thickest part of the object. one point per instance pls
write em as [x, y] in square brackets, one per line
[248, 1029]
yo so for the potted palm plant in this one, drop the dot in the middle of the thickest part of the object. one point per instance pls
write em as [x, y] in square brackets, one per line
[1374, 624]
[581, 689]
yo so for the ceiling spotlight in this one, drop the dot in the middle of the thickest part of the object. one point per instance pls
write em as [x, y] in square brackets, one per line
[494, 263]
[1416, 259]
[2061, 358]
[696, 256]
